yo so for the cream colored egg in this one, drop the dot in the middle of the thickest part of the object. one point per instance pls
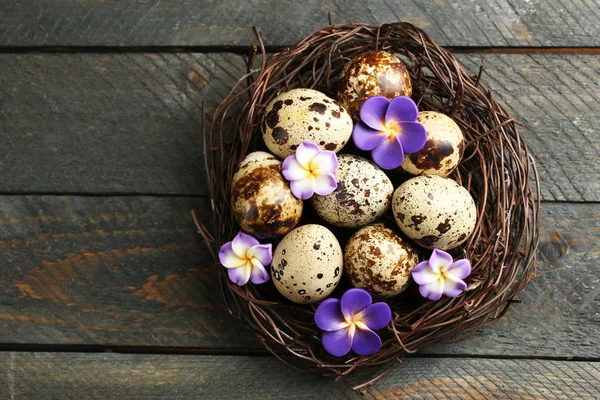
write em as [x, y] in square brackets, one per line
[307, 264]
[443, 149]
[363, 193]
[370, 74]
[301, 115]
[261, 199]
[378, 260]
[435, 212]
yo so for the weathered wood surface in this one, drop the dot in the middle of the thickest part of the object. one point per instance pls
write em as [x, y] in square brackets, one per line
[131, 123]
[131, 271]
[91, 376]
[227, 23]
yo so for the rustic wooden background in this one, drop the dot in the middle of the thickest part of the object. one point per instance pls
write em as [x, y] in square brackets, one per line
[104, 285]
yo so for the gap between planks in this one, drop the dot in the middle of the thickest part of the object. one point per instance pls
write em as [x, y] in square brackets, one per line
[241, 50]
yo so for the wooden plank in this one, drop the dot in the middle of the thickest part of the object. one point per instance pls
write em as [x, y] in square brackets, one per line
[130, 123]
[131, 271]
[90, 376]
[227, 23]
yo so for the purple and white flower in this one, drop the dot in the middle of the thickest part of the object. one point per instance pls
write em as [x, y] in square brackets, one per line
[246, 259]
[310, 171]
[440, 275]
[349, 323]
[389, 129]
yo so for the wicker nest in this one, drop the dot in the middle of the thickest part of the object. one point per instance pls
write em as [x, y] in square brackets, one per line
[496, 169]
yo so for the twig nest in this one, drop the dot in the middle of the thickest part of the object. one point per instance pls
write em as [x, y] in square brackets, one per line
[435, 212]
[370, 74]
[305, 115]
[378, 260]
[442, 151]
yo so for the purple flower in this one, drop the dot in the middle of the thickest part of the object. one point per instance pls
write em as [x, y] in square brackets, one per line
[246, 259]
[439, 275]
[310, 171]
[348, 323]
[389, 129]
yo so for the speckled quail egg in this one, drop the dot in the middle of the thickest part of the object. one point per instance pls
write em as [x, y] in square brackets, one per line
[443, 149]
[262, 202]
[307, 264]
[435, 212]
[301, 115]
[378, 260]
[370, 74]
[363, 193]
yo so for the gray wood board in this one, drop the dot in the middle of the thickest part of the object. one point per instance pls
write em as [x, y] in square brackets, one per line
[131, 271]
[131, 123]
[283, 23]
[127, 376]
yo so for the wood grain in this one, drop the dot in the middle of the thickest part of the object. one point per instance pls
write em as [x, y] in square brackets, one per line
[131, 271]
[130, 123]
[228, 23]
[90, 376]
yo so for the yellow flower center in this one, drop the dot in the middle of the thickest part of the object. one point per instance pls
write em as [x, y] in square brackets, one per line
[355, 322]
[391, 130]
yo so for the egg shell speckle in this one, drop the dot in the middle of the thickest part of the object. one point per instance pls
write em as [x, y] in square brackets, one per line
[363, 193]
[435, 212]
[442, 151]
[307, 264]
[301, 115]
[378, 260]
[262, 202]
[370, 74]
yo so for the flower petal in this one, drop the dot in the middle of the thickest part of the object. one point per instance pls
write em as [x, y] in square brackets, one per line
[292, 170]
[459, 269]
[373, 111]
[259, 274]
[439, 259]
[365, 342]
[433, 290]
[325, 184]
[422, 274]
[303, 188]
[376, 316]
[241, 243]
[389, 154]
[262, 252]
[228, 258]
[413, 136]
[325, 162]
[337, 343]
[328, 316]
[354, 301]
[306, 152]
[366, 138]
[401, 109]
[453, 287]
[239, 276]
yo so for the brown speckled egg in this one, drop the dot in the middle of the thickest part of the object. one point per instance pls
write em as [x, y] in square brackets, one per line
[307, 264]
[262, 202]
[435, 212]
[443, 149]
[376, 259]
[302, 115]
[363, 193]
[370, 74]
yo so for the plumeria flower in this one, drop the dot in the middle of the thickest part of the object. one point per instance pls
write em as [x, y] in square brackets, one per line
[348, 323]
[389, 129]
[310, 171]
[245, 259]
[439, 275]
